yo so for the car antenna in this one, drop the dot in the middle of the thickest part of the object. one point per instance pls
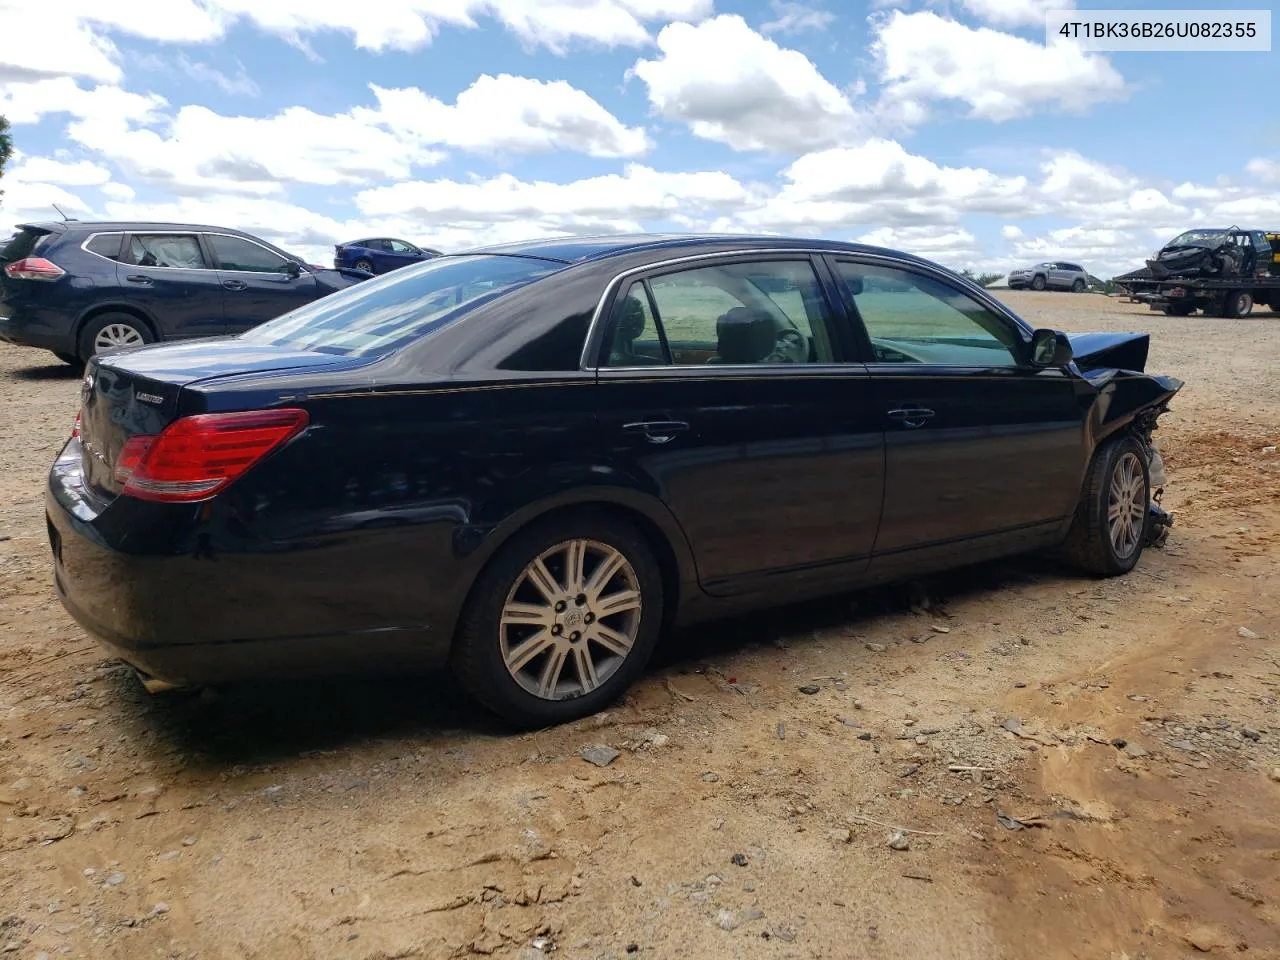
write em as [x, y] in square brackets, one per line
[65, 218]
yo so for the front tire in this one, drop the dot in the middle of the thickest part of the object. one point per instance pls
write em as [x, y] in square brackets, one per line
[1108, 532]
[1077, 286]
[1038, 283]
[561, 621]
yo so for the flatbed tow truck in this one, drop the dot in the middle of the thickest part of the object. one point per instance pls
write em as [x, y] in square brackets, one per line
[1216, 296]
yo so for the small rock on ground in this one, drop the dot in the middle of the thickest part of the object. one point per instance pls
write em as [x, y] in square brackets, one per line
[898, 840]
[600, 755]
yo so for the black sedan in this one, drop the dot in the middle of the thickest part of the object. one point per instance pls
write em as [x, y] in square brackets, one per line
[531, 460]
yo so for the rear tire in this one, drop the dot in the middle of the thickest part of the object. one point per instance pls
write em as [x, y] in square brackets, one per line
[1238, 304]
[1108, 532]
[1038, 283]
[585, 657]
[364, 265]
[109, 331]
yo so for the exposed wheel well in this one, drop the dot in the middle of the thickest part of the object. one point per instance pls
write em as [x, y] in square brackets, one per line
[130, 311]
[656, 540]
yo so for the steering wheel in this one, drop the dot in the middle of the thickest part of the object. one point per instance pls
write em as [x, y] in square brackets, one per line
[790, 347]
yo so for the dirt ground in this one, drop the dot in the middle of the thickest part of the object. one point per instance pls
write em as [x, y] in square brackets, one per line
[743, 817]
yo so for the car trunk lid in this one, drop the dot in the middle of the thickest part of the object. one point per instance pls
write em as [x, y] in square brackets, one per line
[137, 393]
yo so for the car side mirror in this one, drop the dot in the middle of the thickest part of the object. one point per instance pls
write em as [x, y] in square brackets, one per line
[293, 269]
[1050, 348]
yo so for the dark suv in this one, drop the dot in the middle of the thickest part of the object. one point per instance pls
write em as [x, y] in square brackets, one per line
[82, 288]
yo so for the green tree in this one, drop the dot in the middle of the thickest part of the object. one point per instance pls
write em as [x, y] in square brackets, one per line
[983, 280]
[6, 146]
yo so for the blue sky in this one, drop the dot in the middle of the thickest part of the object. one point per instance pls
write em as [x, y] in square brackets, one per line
[945, 128]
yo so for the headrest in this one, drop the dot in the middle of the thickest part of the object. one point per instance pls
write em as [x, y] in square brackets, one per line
[630, 319]
[746, 335]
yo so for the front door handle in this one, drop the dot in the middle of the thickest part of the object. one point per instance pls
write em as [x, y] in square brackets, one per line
[138, 278]
[234, 284]
[657, 431]
[911, 416]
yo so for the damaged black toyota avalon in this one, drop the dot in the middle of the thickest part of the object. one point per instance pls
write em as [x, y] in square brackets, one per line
[532, 460]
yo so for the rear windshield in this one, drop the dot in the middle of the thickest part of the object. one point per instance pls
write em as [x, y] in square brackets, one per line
[21, 244]
[377, 316]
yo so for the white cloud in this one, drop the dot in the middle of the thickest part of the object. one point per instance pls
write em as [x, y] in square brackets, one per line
[35, 201]
[72, 37]
[879, 182]
[28, 102]
[1011, 231]
[793, 17]
[612, 201]
[198, 150]
[956, 247]
[730, 84]
[117, 191]
[1015, 13]
[924, 58]
[82, 173]
[39, 41]
[1263, 169]
[1103, 251]
[507, 114]
[240, 83]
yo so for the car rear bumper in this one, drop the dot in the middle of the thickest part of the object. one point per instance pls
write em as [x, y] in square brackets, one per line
[31, 328]
[159, 593]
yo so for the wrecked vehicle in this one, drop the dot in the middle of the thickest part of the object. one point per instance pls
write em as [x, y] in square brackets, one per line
[580, 443]
[1222, 272]
[1229, 252]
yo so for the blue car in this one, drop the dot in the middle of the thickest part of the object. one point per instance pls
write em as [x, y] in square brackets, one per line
[379, 254]
[82, 288]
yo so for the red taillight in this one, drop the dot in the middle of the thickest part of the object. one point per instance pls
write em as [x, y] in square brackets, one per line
[195, 457]
[75, 427]
[34, 268]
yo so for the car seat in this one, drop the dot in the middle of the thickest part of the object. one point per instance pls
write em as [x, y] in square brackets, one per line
[744, 335]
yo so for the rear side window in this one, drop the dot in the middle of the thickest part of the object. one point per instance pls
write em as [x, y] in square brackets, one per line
[22, 244]
[172, 250]
[236, 253]
[105, 245]
[377, 316]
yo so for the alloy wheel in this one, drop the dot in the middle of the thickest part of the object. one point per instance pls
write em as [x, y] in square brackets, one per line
[116, 335]
[1127, 506]
[571, 619]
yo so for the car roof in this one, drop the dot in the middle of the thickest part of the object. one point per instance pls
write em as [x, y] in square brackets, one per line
[580, 249]
[61, 226]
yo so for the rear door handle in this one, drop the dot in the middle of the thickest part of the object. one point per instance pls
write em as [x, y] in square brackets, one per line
[138, 278]
[234, 284]
[657, 431]
[911, 416]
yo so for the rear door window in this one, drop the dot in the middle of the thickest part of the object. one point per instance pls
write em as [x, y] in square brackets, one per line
[179, 251]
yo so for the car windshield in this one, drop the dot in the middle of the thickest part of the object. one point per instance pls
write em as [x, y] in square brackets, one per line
[376, 316]
[1198, 238]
